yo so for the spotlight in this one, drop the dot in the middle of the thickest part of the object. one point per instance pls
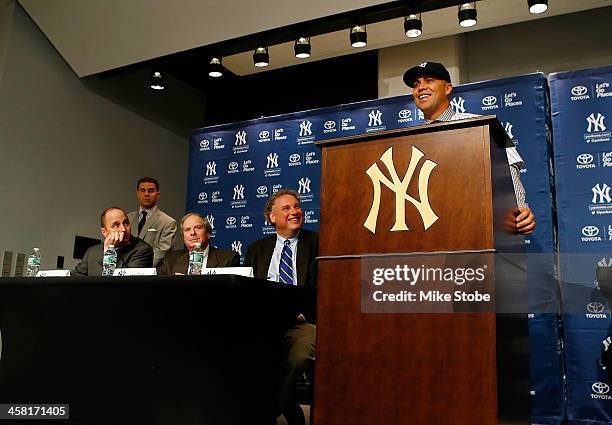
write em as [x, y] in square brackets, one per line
[261, 57]
[359, 36]
[215, 69]
[157, 81]
[302, 47]
[467, 14]
[413, 26]
[537, 6]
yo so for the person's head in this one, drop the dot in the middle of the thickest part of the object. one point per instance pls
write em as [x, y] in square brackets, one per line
[114, 219]
[196, 229]
[431, 85]
[284, 212]
[147, 192]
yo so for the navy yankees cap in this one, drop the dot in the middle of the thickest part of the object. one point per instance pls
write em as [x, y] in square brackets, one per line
[433, 69]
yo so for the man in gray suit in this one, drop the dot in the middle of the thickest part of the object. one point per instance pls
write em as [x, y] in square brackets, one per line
[150, 223]
[131, 251]
[196, 229]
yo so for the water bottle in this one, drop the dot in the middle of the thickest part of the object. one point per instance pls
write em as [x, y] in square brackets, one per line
[196, 260]
[109, 262]
[33, 263]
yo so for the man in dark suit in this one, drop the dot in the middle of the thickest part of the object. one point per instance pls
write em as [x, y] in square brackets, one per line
[116, 229]
[289, 257]
[196, 229]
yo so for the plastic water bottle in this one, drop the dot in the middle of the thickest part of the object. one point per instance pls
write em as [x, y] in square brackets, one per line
[196, 260]
[109, 262]
[33, 263]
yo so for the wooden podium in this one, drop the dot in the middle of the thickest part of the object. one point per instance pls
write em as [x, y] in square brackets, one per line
[416, 369]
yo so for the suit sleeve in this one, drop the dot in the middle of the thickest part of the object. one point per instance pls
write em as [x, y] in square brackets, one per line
[235, 262]
[141, 258]
[81, 268]
[166, 240]
[162, 268]
[249, 258]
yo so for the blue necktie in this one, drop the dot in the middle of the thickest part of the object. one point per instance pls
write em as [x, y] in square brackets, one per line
[285, 269]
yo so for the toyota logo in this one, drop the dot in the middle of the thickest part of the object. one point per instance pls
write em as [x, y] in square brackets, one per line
[204, 143]
[262, 190]
[233, 166]
[590, 231]
[404, 113]
[329, 125]
[202, 196]
[585, 158]
[600, 388]
[489, 100]
[595, 307]
[579, 90]
[264, 134]
[230, 221]
[294, 158]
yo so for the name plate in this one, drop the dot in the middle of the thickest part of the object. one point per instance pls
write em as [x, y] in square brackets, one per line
[240, 271]
[53, 273]
[136, 271]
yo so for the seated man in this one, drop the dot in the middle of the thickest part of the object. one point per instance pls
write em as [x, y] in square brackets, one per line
[290, 257]
[196, 229]
[116, 229]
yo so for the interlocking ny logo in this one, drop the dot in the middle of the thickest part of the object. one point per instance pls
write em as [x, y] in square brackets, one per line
[240, 138]
[304, 183]
[237, 247]
[238, 192]
[375, 118]
[400, 187]
[211, 220]
[596, 123]
[601, 194]
[458, 104]
[211, 168]
[272, 160]
[305, 128]
[605, 262]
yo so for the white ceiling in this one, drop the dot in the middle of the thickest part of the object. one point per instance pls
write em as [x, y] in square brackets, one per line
[99, 35]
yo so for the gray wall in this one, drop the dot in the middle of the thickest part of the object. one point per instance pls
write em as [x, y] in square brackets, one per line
[67, 152]
[560, 43]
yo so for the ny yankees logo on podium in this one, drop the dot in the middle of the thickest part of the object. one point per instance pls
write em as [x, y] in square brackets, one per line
[400, 187]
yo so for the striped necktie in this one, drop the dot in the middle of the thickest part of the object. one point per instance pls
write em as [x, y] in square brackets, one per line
[285, 269]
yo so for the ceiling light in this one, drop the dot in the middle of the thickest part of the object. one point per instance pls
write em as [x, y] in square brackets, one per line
[302, 47]
[413, 26]
[157, 81]
[215, 69]
[359, 36]
[467, 14]
[261, 57]
[537, 6]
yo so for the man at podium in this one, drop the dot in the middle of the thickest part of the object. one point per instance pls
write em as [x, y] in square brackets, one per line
[431, 84]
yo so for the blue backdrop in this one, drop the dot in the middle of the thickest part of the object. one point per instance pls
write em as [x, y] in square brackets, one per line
[234, 168]
[581, 101]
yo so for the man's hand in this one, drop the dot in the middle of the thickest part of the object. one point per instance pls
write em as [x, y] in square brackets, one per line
[113, 238]
[301, 318]
[525, 221]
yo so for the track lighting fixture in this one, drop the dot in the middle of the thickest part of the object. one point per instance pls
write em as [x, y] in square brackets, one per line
[467, 14]
[261, 57]
[359, 36]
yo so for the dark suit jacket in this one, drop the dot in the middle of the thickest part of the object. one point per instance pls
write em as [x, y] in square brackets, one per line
[177, 261]
[259, 255]
[137, 253]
